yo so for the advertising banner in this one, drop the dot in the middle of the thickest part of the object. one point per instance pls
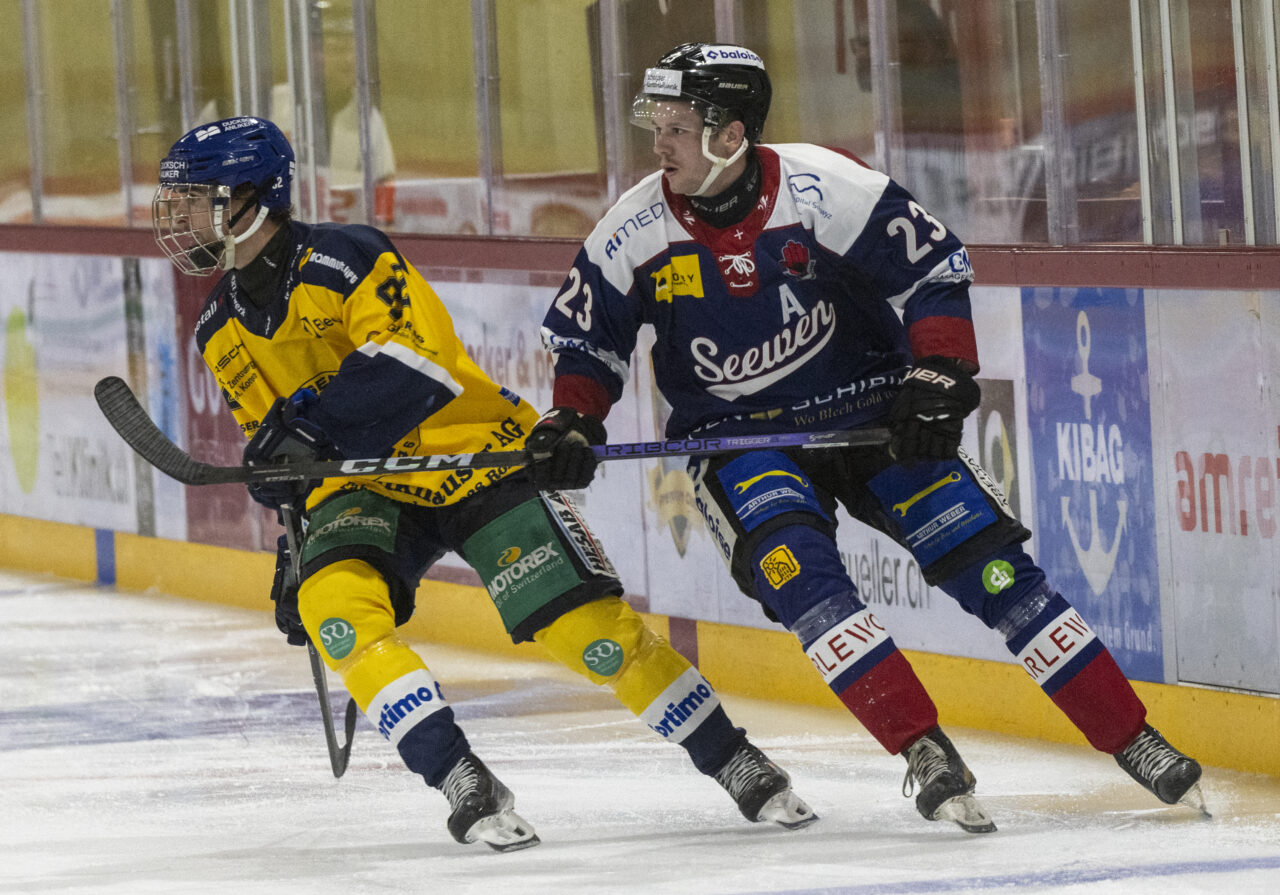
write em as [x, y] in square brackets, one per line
[1218, 460]
[1089, 410]
[163, 387]
[64, 323]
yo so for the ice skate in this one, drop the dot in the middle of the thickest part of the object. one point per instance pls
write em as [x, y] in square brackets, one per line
[946, 784]
[763, 790]
[1171, 776]
[482, 808]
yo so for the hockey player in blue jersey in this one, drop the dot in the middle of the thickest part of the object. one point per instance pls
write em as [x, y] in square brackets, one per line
[781, 279]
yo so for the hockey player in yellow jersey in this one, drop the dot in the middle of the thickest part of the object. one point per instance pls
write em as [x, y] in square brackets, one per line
[327, 343]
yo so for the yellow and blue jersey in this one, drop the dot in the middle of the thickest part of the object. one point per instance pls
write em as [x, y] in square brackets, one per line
[352, 320]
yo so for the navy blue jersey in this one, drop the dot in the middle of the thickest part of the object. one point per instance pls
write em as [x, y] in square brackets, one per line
[802, 316]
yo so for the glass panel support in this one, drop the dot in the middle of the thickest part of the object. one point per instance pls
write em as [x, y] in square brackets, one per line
[186, 65]
[1270, 36]
[365, 88]
[886, 86]
[729, 28]
[121, 18]
[614, 83]
[484, 40]
[1061, 207]
[1242, 116]
[310, 126]
[1171, 124]
[34, 64]
[1140, 108]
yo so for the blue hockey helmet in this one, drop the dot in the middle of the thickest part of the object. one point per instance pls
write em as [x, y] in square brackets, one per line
[192, 210]
[232, 152]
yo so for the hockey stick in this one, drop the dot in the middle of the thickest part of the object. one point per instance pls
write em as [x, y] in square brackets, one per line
[338, 755]
[131, 421]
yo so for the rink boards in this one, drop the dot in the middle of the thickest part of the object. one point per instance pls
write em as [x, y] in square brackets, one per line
[1135, 430]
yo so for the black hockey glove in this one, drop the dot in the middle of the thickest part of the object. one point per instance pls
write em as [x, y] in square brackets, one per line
[284, 593]
[558, 451]
[927, 417]
[286, 434]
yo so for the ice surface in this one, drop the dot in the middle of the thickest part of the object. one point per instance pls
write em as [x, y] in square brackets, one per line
[153, 744]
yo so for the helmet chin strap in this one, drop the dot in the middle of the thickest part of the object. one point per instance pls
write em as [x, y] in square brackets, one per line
[230, 241]
[717, 164]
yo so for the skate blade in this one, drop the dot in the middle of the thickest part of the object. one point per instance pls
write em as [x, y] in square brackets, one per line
[787, 810]
[1193, 798]
[504, 831]
[967, 813]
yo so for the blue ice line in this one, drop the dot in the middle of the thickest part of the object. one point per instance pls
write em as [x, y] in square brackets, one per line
[1064, 876]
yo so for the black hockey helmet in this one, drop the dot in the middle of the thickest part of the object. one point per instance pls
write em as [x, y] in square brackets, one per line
[726, 83]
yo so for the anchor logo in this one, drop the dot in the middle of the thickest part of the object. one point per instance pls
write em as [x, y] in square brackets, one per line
[1084, 383]
[1096, 561]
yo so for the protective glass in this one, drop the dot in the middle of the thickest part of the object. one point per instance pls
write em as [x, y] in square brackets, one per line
[645, 109]
[187, 221]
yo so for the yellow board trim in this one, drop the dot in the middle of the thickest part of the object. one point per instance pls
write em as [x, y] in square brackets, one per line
[50, 548]
[1218, 727]
[196, 571]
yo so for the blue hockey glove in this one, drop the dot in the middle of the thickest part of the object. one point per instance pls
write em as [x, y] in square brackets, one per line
[284, 593]
[927, 417]
[558, 451]
[286, 434]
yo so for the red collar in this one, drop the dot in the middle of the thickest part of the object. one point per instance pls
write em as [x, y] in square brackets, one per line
[733, 245]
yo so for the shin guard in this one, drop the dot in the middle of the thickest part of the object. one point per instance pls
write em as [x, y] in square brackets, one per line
[346, 609]
[608, 643]
[1062, 654]
[860, 663]
[799, 575]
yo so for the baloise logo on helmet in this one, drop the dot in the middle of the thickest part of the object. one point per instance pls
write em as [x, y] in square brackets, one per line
[736, 55]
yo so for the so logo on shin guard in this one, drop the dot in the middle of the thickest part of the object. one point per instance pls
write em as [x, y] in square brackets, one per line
[337, 636]
[603, 657]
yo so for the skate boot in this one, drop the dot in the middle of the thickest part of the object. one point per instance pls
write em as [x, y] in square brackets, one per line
[1171, 776]
[763, 790]
[482, 808]
[946, 784]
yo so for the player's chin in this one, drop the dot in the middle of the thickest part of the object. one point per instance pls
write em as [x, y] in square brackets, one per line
[675, 181]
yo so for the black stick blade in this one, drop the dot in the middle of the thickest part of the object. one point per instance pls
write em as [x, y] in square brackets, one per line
[131, 422]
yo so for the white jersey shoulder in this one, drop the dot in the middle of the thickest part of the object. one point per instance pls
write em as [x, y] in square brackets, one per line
[631, 232]
[830, 193]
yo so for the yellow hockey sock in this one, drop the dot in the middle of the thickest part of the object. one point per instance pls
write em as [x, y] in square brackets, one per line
[346, 609]
[608, 643]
